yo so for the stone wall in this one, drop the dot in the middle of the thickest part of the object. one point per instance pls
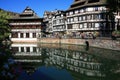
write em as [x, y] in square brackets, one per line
[102, 43]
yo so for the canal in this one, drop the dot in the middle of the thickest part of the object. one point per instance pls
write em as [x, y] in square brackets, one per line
[65, 62]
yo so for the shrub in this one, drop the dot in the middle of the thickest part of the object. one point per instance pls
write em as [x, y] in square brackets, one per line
[116, 33]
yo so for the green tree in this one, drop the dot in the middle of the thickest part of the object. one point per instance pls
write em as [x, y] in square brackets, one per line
[114, 7]
[4, 27]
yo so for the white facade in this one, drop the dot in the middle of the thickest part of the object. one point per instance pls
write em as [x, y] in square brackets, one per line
[59, 21]
[48, 21]
[34, 35]
[117, 20]
[87, 19]
[22, 48]
[26, 27]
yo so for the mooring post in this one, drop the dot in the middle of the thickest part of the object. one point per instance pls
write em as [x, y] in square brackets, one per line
[87, 43]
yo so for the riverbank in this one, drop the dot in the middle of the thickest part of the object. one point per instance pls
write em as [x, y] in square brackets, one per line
[100, 43]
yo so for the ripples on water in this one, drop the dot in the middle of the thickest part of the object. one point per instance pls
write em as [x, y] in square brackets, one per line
[66, 62]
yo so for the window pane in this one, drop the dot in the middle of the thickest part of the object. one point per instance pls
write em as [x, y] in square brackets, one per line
[34, 35]
[14, 35]
[22, 49]
[27, 35]
[28, 49]
[21, 35]
[34, 49]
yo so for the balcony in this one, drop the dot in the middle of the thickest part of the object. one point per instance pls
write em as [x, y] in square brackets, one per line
[59, 29]
[86, 13]
[30, 23]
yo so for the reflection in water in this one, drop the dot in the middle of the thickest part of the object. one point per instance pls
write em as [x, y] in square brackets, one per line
[58, 62]
[9, 69]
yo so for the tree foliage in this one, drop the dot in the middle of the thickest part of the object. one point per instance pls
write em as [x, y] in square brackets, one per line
[4, 28]
[114, 5]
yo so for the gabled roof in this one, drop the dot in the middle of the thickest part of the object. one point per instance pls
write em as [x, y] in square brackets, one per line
[84, 3]
[28, 13]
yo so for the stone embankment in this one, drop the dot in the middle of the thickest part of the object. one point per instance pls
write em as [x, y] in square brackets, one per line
[101, 43]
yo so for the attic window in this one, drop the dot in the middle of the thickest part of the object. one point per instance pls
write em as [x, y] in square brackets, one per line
[93, 1]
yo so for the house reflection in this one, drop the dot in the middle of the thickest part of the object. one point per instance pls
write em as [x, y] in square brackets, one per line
[33, 56]
[29, 55]
[74, 61]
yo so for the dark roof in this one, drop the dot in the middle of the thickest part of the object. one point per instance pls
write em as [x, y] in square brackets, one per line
[86, 3]
[56, 12]
[28, 13]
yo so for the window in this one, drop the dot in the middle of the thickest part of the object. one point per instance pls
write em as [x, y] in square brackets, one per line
[67, 14]
[85, 25]
[84, 9]
[71, 13]
[28, 49]
[81, 26]
[15, 49]
[54, 22]
[96, 25]
[96, 16]
[84, 17]
[81, 10]
[90, 9]
[14, 35]
[68, 20]
[80, 18]
[22, 49]
[96, 8]
[89, 25]
[27, 35]
[89, 17]
[21, 35]
[93, 25]
[34, 49]
[34, 35]
[118, 13]
[69, 26]
[62, 20]
[71, 19]
[76, 11]
[76, 19]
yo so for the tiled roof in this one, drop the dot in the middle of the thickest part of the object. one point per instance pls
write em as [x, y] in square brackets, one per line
[84, 3]
[28, 13]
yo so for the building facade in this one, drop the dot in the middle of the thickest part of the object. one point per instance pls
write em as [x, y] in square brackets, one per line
[26, 26]
[28, 55]
[47, 19]
[74, 61]
[85, 16]
[59, 22]
[89, 16]
[55, 22]
[117, 20]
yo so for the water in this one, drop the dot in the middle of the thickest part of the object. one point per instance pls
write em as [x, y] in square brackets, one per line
[66, 62]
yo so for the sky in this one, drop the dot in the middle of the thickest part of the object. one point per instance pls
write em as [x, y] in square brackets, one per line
[39, 6]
